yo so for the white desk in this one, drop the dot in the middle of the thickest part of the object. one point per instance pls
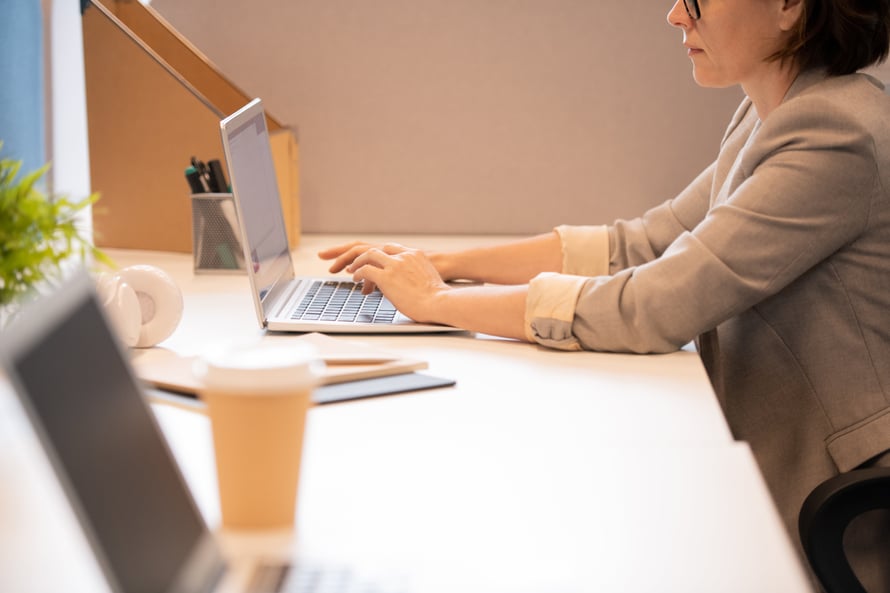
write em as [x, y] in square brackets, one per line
[614, 396]
[540, 471]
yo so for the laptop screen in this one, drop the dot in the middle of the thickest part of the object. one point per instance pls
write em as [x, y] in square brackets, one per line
[105, 445]
[249, 159]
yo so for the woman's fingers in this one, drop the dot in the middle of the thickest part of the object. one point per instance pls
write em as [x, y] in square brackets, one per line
[344, 256]
[406, 277]
[366, 275]
[372, 256]
[337, 250]
[349, 256]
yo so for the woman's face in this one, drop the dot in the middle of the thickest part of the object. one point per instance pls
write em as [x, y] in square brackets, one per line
[732, 40]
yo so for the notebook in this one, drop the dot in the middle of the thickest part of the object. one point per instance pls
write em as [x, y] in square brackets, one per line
[353, 370]
[283, 301]
[113, 462]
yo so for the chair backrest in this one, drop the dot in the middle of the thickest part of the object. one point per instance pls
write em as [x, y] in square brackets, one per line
[825, 515]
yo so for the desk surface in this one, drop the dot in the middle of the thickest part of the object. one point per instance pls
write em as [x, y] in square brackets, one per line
[615, 396]
[540, 471]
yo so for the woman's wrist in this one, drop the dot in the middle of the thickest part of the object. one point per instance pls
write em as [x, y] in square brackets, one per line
[444, 264]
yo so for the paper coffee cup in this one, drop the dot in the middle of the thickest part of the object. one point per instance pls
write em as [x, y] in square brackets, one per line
[257, 397]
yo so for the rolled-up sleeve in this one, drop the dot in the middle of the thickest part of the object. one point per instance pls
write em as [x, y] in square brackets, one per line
[552, 298]
[550, 310]
[585, 249]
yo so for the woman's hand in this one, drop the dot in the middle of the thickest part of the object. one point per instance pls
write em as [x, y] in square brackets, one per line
[406, 276]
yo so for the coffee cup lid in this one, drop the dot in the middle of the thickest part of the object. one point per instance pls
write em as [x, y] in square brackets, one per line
[259, 367]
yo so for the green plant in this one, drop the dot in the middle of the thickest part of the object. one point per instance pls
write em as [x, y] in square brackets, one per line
[38, 233]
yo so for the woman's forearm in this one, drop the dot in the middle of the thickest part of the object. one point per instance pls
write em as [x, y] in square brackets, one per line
[510, 263]
[493, 310]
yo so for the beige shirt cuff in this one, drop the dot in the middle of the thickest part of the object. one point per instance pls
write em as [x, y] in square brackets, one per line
[585, 250]
[550, 310]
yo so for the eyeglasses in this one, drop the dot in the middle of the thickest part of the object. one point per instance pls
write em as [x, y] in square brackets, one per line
[692, 9]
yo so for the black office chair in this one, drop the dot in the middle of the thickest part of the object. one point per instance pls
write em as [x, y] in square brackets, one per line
[825, 515]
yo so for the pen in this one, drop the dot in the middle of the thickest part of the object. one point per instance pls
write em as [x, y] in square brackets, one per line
[197, 183]
[202, 170]
[357, 359]
[217, 177]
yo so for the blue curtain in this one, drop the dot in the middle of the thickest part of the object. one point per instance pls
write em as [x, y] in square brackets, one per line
[21, 82]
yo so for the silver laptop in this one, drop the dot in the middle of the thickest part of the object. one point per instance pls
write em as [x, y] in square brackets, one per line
[285, 302]
[114, 465]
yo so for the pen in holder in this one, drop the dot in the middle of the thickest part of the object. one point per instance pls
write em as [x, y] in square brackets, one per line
[216, 244]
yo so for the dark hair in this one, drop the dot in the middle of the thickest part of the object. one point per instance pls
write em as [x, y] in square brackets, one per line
[841, 36]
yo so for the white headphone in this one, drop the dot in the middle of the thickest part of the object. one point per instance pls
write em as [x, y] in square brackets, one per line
[143, 302]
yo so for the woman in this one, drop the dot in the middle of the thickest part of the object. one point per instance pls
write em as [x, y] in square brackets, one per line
[775, 259]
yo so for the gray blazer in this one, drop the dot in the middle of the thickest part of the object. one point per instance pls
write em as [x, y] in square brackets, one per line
[777, 258]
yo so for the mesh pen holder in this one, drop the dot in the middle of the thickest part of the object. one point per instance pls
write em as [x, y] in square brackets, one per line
[216, 244]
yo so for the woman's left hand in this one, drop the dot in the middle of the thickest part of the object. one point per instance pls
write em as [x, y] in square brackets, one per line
[406, 276]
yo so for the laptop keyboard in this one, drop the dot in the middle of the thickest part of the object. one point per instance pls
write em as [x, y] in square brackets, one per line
[333, 300]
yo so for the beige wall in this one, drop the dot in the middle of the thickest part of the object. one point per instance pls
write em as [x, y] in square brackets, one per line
[469, 115]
